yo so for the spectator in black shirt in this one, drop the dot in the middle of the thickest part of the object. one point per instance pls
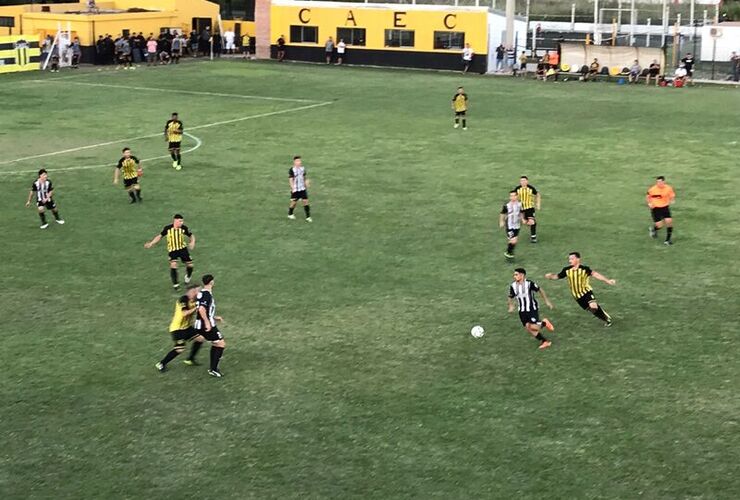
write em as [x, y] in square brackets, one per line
[688, 62]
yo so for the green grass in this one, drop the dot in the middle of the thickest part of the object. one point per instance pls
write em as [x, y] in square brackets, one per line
[350, 372]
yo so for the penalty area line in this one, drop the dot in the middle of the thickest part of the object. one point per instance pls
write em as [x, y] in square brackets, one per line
[149, 136]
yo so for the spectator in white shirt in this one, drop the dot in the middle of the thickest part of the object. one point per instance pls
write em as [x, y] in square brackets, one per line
[467, 56]
[229, 37]
[341, 48]
[680, 74]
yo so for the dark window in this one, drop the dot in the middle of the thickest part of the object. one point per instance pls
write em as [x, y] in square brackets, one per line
[9, 22]
[304, 34]
[449, 39]
[399, 38]
[351, 36]
[126, 33]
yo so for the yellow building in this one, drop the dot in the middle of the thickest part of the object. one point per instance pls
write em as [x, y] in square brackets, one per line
[423, 36]
[114, 17]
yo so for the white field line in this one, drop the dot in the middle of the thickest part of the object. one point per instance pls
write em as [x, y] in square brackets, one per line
[198, 144]
[177, 91]
[131, 139]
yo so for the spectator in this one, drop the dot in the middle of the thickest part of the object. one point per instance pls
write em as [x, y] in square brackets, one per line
[688, 63]
[680, 75]
[205, 42]
[653, 72]
[245, 45]
[177, 44]
[467, 57]
[139, 48]
[546, 60]
[126, 53]
[329, 49]
[99, 50]
[511, 60]
[46, 47]
[341, 48]
[523, 63]
[229, 37]
[194, 43]
[164, 56]
[555, 61]
[110, 49]
[593, 69]
[54, 59]
[500, 51]
[281, 48]
[635, 71]
[76, 53]
[151, 51]
[735, 61]
[217, 44]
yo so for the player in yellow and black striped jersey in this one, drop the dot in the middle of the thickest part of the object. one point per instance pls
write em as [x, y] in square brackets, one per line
[179, 241]
[580, 285]
[173, 131]
[182, 330]
[460, 107]
[130, 168]
[530, 199]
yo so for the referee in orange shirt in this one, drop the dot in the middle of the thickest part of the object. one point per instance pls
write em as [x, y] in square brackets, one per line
[659, 198]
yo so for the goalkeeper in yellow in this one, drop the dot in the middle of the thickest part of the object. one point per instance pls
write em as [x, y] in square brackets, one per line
[130, 168]
[460, 107]
[182, 330]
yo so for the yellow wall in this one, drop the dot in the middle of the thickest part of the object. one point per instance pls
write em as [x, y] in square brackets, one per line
[423, 20]
[247, 27]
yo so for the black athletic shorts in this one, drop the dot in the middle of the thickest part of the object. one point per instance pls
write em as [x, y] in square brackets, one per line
[584, 299]
[299, 195]
[660, 213]
[51, 205]
[179, 337]
[653, 72]
[460, 113]
[130, 182]
[174, 145]
[512, 233]
[183, 254]
[211, 336]
[529, 317]
[528, 213]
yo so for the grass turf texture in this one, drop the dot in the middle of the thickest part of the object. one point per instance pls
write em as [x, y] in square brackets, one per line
[349, 369]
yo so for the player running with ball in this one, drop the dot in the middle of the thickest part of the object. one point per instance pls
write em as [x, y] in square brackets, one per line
[523, 291]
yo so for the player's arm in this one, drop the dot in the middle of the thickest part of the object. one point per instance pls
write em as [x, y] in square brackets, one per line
[116, 172]
[191, 244]
[603, 278]
[51, 193]
[510, 303]
[30, 196]
[291, 181]
[647, 200]
[538, 201]
[558, 276]
[166, 125]
[545, 298]
[153, 241]
[671, 197]
[501, 220]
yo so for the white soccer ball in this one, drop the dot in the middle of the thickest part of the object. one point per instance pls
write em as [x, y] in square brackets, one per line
[477, 331]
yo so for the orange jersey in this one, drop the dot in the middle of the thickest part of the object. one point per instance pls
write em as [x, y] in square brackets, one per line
[659, 197]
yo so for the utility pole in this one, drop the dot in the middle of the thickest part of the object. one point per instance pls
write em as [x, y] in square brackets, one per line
[510, 7]
[597, 38]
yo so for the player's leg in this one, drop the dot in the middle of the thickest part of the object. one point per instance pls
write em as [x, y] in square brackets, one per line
[457, 119]
[188, 268]
[307, 209]
[173, 155]
[42, 216]
[535, 330]
[512, 240]
[173, 353]
[669, 230]
[464, 121]
[291, 208]
[657, 222]
[599, 312]
[173, 273]
[194, 348]
[55, 213]
[217, 350]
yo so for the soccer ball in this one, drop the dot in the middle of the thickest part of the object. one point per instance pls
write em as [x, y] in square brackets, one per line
[477, 331]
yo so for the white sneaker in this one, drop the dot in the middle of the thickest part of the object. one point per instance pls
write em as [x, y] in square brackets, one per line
[291, 217]
[44, 226]
[187, 279]
[465, 128]
[456, 125]
[309, 219]
[60, 221]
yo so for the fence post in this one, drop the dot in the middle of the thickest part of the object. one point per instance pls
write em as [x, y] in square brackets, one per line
[572, 17]
[647, 38]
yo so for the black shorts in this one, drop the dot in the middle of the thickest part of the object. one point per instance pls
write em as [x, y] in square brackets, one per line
[584, 300]
[211, 336]
[183, 254]
[523, 66]
[179, 337]
[660, 213]
[528, 213]
[529, 317]
[299, 195]
[127, 183]
[460, 113]
[51, 205]
[512, 233]
[174, 145]
[653, 72]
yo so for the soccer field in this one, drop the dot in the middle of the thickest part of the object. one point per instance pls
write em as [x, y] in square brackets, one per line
[349, 369]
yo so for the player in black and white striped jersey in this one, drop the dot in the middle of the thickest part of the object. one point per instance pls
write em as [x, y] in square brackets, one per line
[511, 219]
[523, 291]
[205, 324]
[299, 184]
[43, 191]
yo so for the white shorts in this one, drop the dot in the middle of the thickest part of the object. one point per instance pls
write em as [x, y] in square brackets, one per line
[230, 46]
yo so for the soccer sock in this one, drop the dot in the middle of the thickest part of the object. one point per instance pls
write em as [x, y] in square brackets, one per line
[457, 120]
[173, 276]
[533, 230]
[170, 356]
[138, 194]
[179, 156]
[42, 216]
[540, 337]
[465, 122]
[669, 233]
[216, 353]
[189, 271]
[173, 155]
[132, 195]
[601, 314]
[194, 350]
[307, 209]
[290, 210]
[510, 248]
[55, 213]
[656, 228]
